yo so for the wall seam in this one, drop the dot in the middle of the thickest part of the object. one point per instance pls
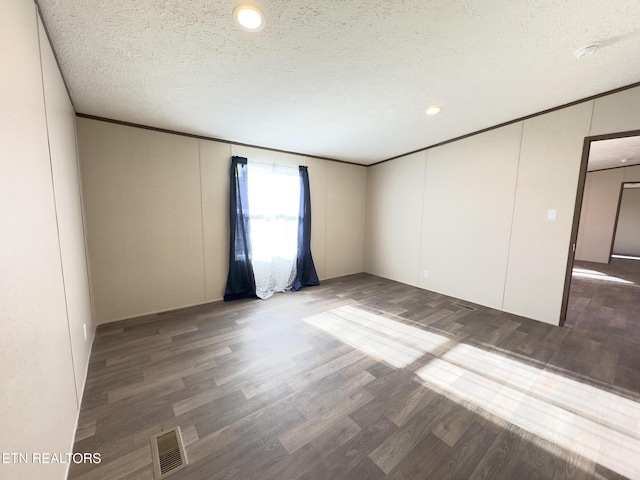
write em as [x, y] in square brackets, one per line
[424, 189]
[364, 229]
[326, 216]
[593, 109]
[55, 209]
[204, 263]
[366, 223]
[513, 216]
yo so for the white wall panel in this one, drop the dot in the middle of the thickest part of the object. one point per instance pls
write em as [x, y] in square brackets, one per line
[547, 180]
[346, 213]
[142, 198]
[157, 209]
[318, 186]
[394, 218]
[598, 215]
[627, 240]
[214, 172]
[619, 112]
[468, 208]
[66, 181]
[38, 396]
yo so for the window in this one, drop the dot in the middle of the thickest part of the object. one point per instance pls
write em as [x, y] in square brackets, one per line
[270, 230]
[274, 205]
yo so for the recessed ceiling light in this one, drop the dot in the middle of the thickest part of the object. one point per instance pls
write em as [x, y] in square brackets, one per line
[249, 18]
[433, 109]
[587, 50]
[624, 160]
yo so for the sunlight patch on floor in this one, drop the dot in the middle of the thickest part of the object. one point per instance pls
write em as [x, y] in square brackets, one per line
[586, 420]
[626, 257]
[595, 275]
[595, 424]
[387, 340]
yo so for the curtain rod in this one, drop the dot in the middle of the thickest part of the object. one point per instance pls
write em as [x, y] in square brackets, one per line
[273, 164]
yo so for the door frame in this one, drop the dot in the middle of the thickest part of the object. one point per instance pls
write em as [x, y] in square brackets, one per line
[577, 210]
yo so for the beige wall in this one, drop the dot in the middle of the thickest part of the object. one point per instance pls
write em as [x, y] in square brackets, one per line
[157, 216]
[345, 205]
[485, 236]
[144, 221]
[616, 113]
[598, 214]
[550, 157]
[394, 203]
[318, 185]
[214, 182]
[66, 181]
[468, 205]
[44, 299]
[627, 241]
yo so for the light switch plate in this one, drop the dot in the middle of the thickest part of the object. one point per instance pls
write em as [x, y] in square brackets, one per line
[552, 213]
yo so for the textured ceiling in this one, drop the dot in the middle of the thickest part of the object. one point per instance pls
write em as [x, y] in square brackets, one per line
[610, 153]
[340, 79]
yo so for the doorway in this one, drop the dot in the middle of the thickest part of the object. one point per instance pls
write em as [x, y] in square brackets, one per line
[602, 286]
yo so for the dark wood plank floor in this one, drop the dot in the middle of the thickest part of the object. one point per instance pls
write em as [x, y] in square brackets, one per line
[360, 378]
[604, 301]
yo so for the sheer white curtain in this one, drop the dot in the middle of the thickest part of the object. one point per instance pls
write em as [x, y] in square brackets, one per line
[274, 203]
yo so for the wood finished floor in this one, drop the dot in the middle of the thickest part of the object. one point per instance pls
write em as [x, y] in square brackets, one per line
[601, 305]
[360, 378]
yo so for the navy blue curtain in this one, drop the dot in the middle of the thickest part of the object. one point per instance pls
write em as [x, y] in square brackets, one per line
[306, 275]
[240, 282]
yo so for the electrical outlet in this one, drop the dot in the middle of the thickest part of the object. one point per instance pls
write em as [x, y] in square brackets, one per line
[426, 274]
[84, 329]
